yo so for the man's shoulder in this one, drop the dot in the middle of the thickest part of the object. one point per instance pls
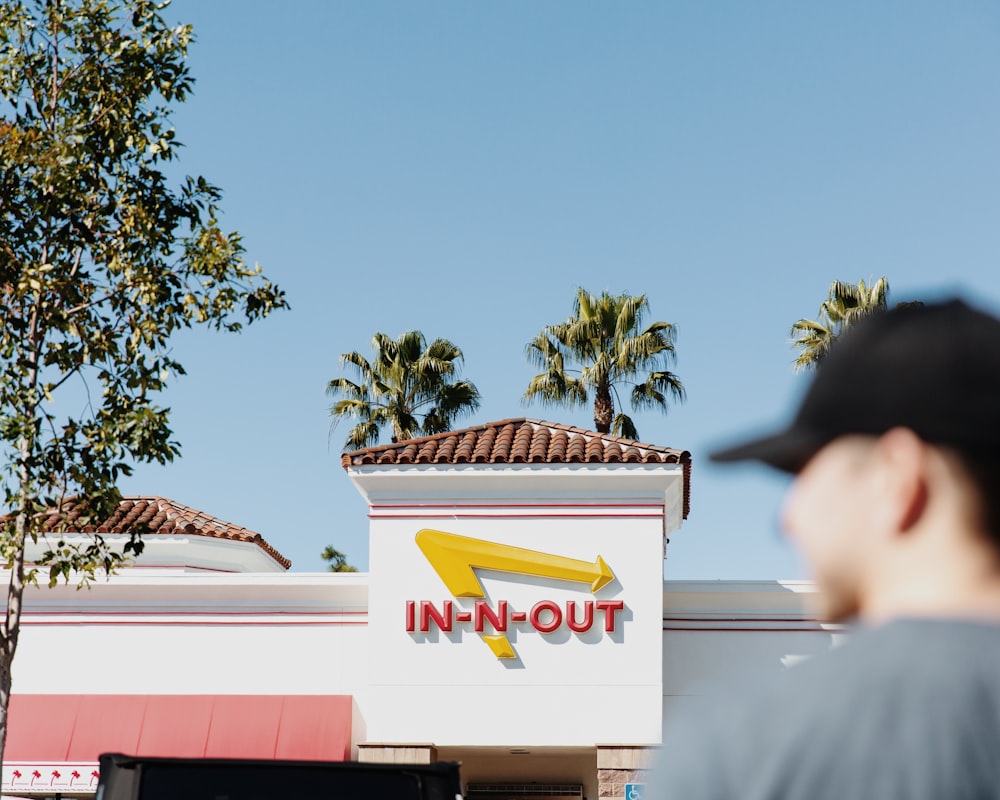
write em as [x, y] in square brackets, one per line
[911, 648]
[876, 668]
[916, 633]
[860, 716]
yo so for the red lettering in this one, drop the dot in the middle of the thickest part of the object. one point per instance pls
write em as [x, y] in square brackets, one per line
[428, 612]
[484, 613]
[545, 616]
[610, 608]
[536, 612]
[588, 616]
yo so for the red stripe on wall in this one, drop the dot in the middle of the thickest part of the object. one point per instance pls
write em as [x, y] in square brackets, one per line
[196, 613]
[190, 623]
[751, 630]
[459, 515]
[515, 505]
[790, 620]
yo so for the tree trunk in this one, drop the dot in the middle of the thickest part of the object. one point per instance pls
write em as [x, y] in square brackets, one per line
[12, 625]
[604, 410]
[11, 628]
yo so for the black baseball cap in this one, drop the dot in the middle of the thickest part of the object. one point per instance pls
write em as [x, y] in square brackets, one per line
[933, 368]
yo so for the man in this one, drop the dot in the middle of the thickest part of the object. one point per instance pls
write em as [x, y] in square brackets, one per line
[896, 508]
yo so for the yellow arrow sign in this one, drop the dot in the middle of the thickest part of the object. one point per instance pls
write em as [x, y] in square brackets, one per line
[456, 558]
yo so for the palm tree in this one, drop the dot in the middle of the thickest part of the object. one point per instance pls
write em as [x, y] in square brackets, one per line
[406, 387]
[845, 305]
[605, 345]
[337, 560]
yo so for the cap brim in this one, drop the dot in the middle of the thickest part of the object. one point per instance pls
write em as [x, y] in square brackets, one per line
[788, 450]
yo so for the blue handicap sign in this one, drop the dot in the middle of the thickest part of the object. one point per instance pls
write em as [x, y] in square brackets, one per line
[635, 791]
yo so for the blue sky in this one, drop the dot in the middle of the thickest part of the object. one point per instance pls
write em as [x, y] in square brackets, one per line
[461, 168]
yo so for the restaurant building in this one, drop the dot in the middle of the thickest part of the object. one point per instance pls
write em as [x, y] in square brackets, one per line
[514, 618]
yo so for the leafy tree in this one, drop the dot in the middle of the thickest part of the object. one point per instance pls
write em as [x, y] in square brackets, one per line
[606, 341]
[101, 261]
[337, 560]
[845, 305]
[406, 387]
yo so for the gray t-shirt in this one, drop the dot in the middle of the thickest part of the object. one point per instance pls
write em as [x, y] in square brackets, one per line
[907, 710]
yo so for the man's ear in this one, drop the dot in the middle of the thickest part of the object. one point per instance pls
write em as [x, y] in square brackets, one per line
[902, 458]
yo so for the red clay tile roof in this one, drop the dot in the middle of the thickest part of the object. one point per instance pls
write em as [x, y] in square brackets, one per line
[521, 441]
[160, 515]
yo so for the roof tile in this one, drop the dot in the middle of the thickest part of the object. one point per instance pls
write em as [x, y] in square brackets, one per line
[156, 515]
[518, 441]
[446, 451]
[484, 445]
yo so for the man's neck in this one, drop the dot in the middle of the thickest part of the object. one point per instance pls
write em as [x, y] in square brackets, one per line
[963, 582]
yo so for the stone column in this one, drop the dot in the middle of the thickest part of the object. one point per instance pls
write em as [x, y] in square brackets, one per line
[406, 753]
[619, 764]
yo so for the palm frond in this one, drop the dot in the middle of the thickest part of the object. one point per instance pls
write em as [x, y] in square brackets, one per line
[444, 351]
[429, 367]
[460, 397]
[404, 424]
[354, 408]
[606, 344]
[542, 351]
[581, 338]
[600, 374]
[360, 364]
[455, 400]
[585, 304]
[410, 346]
[666, 328]
[384, 347]
[348, 388]
[809, 326]
[405, 375]
[845, 305]
[653, 392]
[623, 426]
[364, 434]
[637, 353]
[810, 358]
[628, 312]
[435, 422]
[556, 388]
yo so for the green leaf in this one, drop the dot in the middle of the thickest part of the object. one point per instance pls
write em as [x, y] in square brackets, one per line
[102, 261]
[607, 346]
[405, 388]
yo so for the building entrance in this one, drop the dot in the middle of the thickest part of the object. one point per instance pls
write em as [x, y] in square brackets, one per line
[523, 791]
[526, 773]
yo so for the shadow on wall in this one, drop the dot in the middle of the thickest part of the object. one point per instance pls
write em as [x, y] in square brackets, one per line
[359, 728]
[722, 638]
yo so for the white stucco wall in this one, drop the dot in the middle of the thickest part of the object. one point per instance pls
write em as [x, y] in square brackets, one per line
[315, 634]
[579, 689]
[722, 638]
[200, 634]
[675, 644]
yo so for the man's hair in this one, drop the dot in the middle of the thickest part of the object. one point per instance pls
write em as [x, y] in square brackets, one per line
[983, 470]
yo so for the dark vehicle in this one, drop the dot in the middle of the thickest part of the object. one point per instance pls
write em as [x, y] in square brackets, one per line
[137, 778]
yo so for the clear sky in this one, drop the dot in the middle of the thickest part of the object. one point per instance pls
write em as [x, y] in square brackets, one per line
[461, 168]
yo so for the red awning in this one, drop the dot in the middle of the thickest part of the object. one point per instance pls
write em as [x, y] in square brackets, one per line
[76, 729]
